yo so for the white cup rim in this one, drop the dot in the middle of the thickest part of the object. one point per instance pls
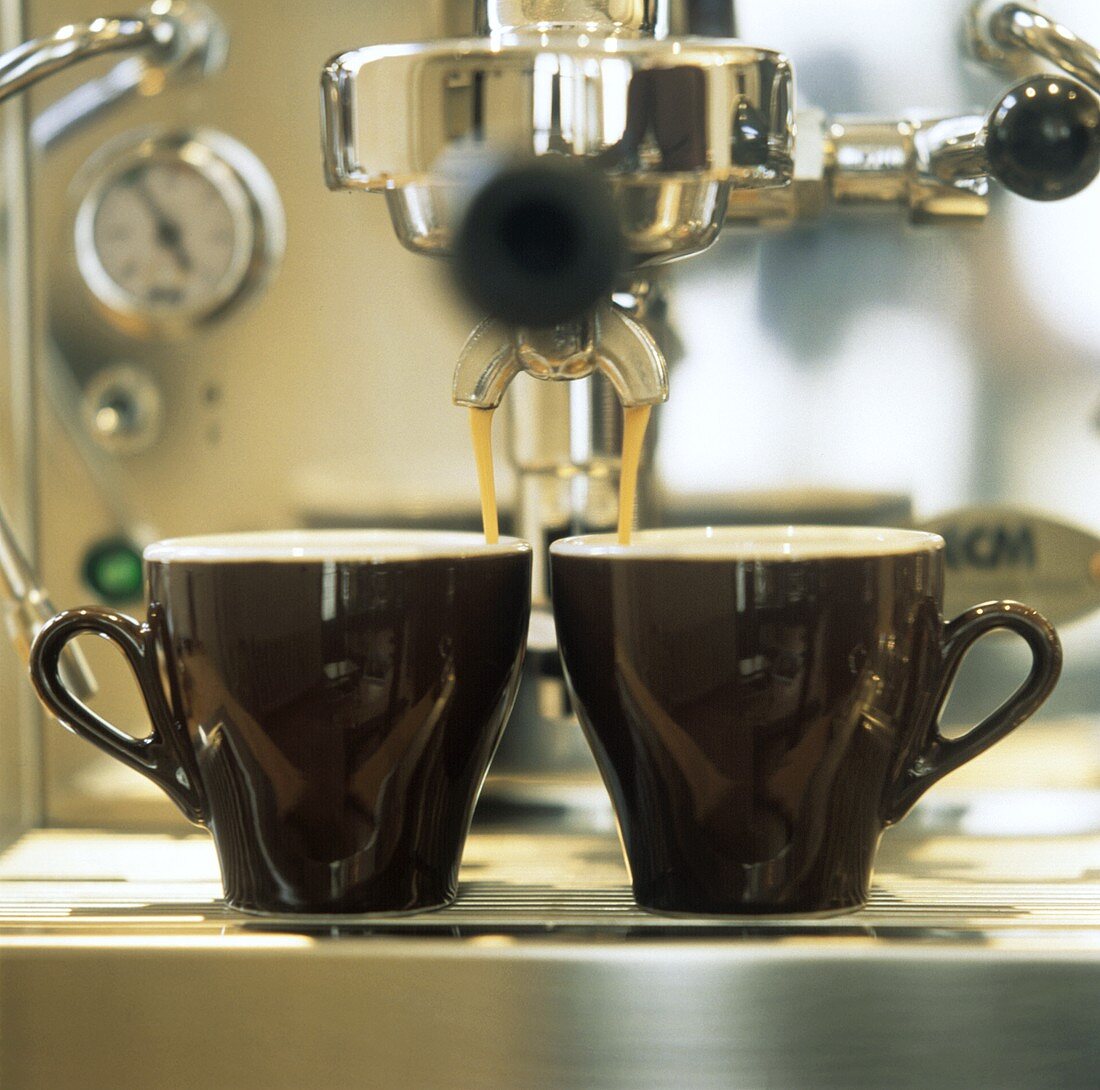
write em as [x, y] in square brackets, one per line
[354, 546]
[740, 543]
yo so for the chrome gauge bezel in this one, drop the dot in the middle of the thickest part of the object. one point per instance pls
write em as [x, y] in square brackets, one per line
[244, 186]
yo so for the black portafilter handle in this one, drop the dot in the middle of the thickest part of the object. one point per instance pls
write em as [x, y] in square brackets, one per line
[1043, 138]
[540, 243]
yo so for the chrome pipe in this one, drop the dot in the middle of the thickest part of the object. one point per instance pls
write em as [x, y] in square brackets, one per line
[28, 608]
[176, 37]
[1003, 34]
[33, 61]
[1017, 26]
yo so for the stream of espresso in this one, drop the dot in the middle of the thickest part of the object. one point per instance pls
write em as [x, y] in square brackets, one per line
[635, 422]
[481, 428]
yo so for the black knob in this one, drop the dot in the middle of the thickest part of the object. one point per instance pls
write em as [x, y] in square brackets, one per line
[540, 243]
[1044, 138]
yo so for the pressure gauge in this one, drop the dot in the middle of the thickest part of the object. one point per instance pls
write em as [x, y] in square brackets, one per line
[174, 229]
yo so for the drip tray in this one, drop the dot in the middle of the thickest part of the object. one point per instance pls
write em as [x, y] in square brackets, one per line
[932, 878]
[976, 964]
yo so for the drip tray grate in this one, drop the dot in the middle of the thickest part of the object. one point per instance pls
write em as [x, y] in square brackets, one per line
[527, 883]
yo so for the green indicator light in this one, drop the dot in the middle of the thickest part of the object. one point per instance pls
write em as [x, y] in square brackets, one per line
[113, 570]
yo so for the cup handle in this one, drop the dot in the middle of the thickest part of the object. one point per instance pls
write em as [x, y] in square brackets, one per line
[164, 755]
[939, 755]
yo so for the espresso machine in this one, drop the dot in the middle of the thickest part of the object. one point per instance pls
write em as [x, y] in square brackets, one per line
[888, 314]
[569, 137]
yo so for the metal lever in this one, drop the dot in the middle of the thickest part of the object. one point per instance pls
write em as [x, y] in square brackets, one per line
[1041, 141]
[177, 37]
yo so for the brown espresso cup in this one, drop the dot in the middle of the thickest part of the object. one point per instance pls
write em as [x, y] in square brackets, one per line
[326, 703]
[763, 702]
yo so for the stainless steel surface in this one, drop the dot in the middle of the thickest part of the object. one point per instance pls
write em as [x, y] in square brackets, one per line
[272, 1015]
[558, 94]
[648, 17]
[976, 964]
[1014, 36]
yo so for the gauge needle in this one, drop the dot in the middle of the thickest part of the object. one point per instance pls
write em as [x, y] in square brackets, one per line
[168, 233]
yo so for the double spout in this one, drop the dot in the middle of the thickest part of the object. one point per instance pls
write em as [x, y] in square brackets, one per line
[605, 340]
[540, 251]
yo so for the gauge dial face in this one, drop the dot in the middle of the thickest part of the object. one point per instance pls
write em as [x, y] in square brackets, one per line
[166, 238]
[172, 232]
